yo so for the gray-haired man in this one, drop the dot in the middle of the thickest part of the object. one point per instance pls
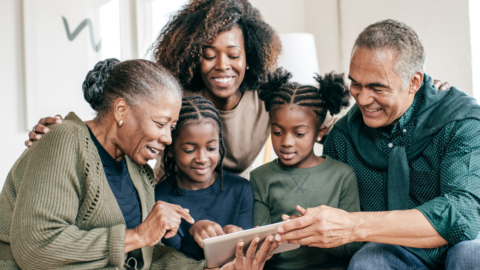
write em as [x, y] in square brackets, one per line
[416, 153]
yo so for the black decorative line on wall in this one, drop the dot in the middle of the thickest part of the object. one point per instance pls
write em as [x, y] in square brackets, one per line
[83, 24]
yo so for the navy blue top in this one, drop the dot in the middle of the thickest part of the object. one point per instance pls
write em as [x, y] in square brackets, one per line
[121, 184]
[233, 206]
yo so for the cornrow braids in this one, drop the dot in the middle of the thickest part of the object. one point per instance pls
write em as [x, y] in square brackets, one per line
[193, 108]
[331, 95]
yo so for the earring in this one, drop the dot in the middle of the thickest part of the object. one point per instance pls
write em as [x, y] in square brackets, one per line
[121, 113]
[248, 67]
[319, 139]
[120, 123]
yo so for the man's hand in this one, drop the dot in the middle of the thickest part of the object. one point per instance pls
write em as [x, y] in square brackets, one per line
[41, 128]
[322, 226]
[204, 229]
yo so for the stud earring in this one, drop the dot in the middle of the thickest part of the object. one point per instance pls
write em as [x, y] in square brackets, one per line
[319, 139]
[120, 123]
[248, 67]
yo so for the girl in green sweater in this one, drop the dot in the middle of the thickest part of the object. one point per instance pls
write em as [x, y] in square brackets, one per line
[299, 178]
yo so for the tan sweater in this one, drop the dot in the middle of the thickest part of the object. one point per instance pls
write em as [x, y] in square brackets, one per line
[58, 212]
[245, 130]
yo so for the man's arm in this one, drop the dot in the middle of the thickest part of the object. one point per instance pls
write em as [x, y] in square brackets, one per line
[447, 218]
[327, 227]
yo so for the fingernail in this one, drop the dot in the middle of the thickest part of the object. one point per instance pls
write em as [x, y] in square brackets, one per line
[280, 229]
[278, 238]
[288, 219]
[241, 244]
[58, 121]
[47, 130]
[37, 137]
[188, 211]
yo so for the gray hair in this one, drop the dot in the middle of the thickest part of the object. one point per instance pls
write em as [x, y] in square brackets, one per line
[395, 35]
[134, 80]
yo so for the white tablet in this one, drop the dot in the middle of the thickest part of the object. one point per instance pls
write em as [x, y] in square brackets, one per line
[220, 250]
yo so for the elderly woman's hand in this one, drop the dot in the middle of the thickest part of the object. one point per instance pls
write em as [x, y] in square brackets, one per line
[162, 221]
[253, 259]
[41, 128]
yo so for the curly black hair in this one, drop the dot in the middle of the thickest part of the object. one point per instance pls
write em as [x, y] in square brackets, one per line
[331, 95]
[180, 45]
[194, 108]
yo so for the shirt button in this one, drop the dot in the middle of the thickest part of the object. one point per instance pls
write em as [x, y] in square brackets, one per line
[390, 145]
[404, 130]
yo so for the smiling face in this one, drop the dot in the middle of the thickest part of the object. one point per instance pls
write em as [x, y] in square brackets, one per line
[196, 154]
[147, 130]
[377, 89]
[223, 64]
[294, 132]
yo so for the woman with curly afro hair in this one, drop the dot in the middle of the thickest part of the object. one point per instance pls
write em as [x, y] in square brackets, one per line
[223, 50]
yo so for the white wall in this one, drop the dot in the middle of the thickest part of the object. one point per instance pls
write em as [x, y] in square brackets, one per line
[443, 26]
[11, 89]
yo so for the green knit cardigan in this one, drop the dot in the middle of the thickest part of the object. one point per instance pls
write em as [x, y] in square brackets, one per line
[58, 212]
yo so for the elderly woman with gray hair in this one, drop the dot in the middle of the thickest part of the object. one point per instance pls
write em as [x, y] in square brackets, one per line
[83, 197]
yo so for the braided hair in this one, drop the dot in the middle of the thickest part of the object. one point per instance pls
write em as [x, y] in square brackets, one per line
[330, 96]
[194, 108]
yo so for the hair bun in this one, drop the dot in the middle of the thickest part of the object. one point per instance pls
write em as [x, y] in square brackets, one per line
[276, 79]
[334, 91]
[95, 81]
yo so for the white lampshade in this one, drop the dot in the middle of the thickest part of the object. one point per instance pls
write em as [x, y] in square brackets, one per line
[299, 56]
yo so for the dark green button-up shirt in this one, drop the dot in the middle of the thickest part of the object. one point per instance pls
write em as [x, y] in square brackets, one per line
[444, 178]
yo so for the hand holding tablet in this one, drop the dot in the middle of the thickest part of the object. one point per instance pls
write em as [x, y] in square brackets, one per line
[222, 249]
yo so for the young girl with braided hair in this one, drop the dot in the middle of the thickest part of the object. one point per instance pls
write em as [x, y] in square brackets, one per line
[219, 201]
[299, 178]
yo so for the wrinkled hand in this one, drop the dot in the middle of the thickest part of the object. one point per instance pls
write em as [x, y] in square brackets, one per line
[300, 209]
[163, 221]
[204, 229]
[252, 260]
[41, 128]
[441, 86]
[322, 226]
[231, 229]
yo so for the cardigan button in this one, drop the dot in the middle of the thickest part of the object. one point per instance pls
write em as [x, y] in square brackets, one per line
[390, 145]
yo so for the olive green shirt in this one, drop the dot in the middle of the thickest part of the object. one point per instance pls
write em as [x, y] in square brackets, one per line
[277, 191]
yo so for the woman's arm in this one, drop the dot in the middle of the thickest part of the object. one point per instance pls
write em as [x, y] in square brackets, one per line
[41, 128]
[43, 231]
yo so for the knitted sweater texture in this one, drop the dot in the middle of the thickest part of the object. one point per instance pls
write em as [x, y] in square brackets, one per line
[58, 212]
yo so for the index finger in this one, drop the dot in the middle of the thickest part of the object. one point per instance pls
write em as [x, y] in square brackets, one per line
[185, 214]
[295, 224]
